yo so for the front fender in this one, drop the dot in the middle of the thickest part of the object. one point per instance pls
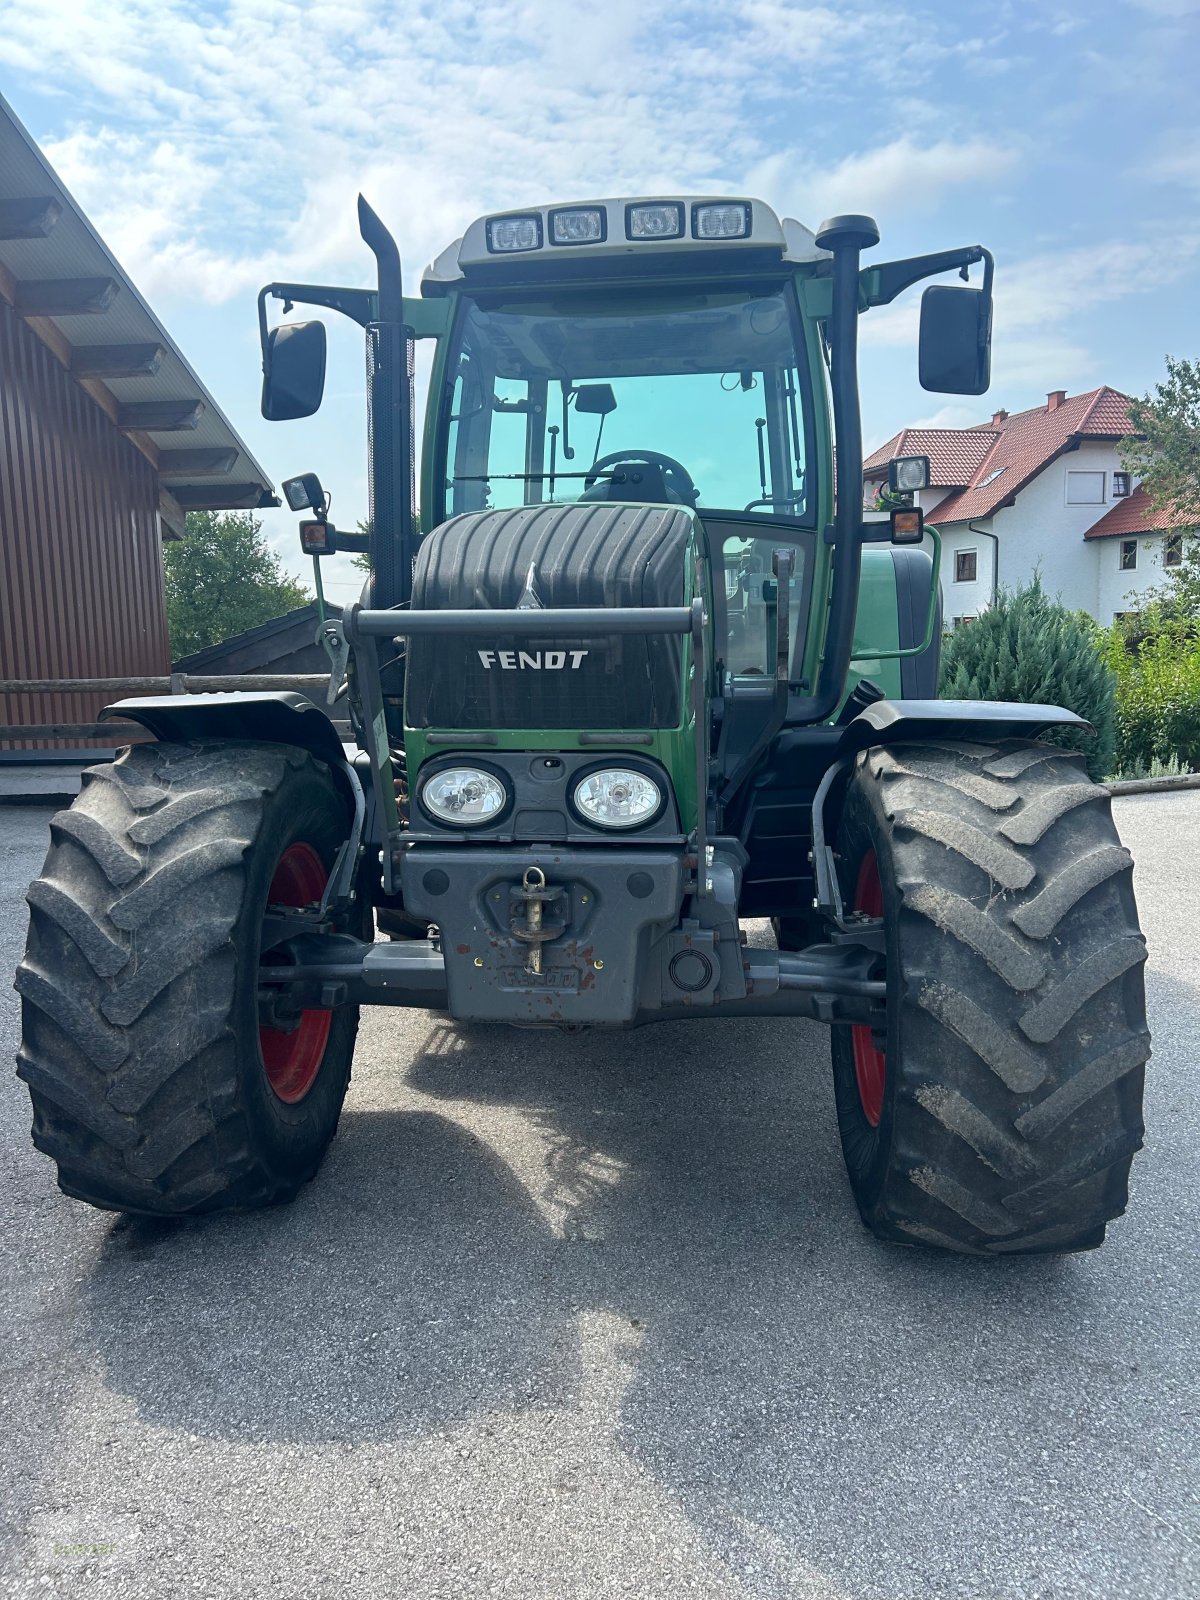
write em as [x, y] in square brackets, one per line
[899, 721]
[281, 717]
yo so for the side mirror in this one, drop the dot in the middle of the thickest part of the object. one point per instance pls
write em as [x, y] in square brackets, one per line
[293, 371]
[956, 340]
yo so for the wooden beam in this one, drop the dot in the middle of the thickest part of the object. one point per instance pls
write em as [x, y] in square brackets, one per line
[185, 465]
[219, 497]
[171, 514]
[65, 297]
[31, 218]
[117, 360]
[160, 416]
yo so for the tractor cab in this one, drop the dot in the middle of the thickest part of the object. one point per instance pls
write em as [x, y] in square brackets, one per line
[641, 352]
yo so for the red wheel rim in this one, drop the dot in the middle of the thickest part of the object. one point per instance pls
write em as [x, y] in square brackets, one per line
[292, 1060]
[870, 1063]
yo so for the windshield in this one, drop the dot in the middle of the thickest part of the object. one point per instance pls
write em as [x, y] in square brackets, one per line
[697, 399]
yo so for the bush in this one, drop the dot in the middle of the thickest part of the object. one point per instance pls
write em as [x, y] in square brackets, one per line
[1030, 649]
[1158, 699]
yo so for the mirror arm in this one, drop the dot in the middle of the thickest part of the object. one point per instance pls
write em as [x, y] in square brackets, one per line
[879, 285]
[357, 304]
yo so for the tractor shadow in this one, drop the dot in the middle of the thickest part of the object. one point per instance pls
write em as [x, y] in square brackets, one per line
[808, 1398]
[408, 1286]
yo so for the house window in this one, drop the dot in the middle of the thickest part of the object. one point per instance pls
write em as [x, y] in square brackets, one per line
[1128, 554]
[1173, 550]
[965, 564]
[1085, 488]
[1120, 485]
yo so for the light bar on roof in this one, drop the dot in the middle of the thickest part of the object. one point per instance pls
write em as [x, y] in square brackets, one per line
[510, 235]
[578, 225]
[662, 220]
[725, 221]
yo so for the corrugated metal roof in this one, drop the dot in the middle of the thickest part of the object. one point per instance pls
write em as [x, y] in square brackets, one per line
[71, 249]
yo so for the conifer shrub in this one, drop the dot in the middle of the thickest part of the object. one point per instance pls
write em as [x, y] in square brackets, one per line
[1031, 649]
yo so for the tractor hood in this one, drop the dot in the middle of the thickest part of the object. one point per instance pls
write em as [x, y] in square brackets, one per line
[548, 557]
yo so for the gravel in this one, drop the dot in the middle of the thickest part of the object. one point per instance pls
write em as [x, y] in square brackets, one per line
[567, 1315]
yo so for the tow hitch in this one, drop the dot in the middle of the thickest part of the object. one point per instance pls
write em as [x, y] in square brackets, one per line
[528, 921]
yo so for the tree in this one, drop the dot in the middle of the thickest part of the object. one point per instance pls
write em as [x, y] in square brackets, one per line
[222, 578]
[1164, 448]
[1026, 647]
[363, 558]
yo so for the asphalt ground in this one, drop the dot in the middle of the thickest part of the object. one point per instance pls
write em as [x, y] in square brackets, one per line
[571, 1315]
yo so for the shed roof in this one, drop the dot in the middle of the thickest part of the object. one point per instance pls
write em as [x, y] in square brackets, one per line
[63, 280]
[266, 636]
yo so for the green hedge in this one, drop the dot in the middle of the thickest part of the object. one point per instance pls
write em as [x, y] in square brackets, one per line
[1028, 648]
[1158, 699]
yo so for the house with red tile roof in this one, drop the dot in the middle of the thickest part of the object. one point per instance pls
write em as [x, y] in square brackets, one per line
[1044, 490]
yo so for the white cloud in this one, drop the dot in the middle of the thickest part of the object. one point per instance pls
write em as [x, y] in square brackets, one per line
[228, 150]
[1039, 298]
[900, 178]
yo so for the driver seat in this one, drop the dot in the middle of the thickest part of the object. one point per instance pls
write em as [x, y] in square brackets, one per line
[644, 481]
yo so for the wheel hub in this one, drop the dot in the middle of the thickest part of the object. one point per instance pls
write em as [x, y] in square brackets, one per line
[291, 1060]
[870, 1062]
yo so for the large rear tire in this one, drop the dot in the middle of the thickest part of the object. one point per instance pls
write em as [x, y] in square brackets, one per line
[153, 1086]
[1002, 1109]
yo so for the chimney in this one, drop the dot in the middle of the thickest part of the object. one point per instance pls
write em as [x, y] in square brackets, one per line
[999, 418]
[1055, 398]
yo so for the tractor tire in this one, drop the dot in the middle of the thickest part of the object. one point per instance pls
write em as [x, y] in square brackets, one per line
[1001, 1111]
[153, 1086]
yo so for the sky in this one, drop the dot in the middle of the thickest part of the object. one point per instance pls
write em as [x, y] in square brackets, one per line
[219, 146]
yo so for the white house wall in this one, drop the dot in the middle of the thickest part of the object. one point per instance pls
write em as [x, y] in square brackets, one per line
[1042, 532]
[1119, 591]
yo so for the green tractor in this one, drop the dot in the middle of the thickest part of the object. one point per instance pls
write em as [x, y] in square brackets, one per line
[650, 673]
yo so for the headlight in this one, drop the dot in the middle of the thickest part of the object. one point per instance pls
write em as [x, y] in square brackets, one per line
[654, 222]
[617, 797]
[513, 234]
[721, 221]
[577, 225]
[465, 797]
[909, 472]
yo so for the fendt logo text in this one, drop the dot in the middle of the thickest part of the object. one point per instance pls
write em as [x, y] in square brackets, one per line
[537, 660]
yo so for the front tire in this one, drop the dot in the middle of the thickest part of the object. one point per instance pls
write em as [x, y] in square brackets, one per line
[1000, 1112]
[153, 1085]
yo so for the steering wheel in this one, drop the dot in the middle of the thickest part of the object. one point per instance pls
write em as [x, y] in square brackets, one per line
[676, 478]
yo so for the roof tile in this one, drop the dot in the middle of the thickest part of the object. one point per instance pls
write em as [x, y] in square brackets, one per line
[1005, 453]
[1138, 514]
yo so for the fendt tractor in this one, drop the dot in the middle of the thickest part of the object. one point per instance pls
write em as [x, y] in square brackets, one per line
[650, 672]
